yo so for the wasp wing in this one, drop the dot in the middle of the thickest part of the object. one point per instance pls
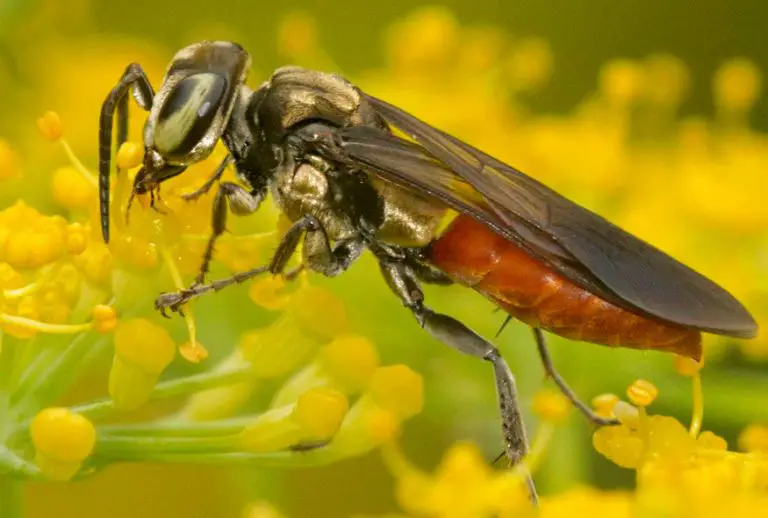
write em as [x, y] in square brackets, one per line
[407, 164]
[582, 245]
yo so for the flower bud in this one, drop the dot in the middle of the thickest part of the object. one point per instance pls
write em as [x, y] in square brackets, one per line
[62, 441]
[142, 351]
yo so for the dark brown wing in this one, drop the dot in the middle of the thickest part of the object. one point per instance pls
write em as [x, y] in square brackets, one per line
[408, 164]
[583, 246]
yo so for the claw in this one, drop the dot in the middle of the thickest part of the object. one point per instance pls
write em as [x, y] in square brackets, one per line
[193, 196]
[172, 301]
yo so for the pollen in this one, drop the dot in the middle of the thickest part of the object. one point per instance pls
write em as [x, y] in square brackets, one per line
[320, 412]
[619, 444]
[642, 392]
[49, 125]
[130, 155]
[31, 239]
[96, 263]
[104, 318]
[710, 441]
[398, 389]
[71, 189]
[62, 441]
[77, 239]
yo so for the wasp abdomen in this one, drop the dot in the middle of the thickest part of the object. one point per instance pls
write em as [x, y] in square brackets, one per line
[473, 254]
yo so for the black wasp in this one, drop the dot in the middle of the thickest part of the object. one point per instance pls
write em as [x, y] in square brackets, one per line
[327, 153]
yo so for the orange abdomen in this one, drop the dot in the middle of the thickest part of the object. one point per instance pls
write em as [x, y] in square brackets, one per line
[476, 256]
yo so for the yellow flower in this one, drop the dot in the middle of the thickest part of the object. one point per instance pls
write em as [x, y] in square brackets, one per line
[62, 440]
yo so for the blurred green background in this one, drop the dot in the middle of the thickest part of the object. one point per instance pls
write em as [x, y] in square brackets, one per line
[66, 55]
[583, 35]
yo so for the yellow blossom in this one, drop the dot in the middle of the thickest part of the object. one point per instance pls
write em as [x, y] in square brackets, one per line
[737, 85]
[463, 486]
[104, 317]
[130, 155]
[296, 333]
[622, 81]
[142, 351]
[346, 364]
[316, 416]
[9, 161]
[642, 393]
[71, 190]
[49, 125]
[754, 438]
[62, 440]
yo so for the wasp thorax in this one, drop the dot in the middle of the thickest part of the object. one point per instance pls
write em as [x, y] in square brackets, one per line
[188, 113]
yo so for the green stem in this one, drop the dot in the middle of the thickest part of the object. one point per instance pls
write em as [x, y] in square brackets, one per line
[179, 428]
[142, 447]
[172, 388]
[6, 374]
[11, 505]
[48, 381]
[13, 466]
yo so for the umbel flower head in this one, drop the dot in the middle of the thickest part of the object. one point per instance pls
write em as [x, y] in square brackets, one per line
[290, 390]
[66, 299]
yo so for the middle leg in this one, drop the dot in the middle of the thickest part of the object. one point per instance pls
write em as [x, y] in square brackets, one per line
[229, 196]
[319, 255]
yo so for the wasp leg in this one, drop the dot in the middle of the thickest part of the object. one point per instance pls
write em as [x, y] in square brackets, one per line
[134, 79]
[321, 257]
[175, 300]
[429, 275]
[209, 183]
[549, 369]
[318, 253]
[240, 202]
[402, 281]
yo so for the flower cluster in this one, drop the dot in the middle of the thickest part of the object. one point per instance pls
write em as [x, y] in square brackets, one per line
[290, 388]
[57, 278]
[682, 472]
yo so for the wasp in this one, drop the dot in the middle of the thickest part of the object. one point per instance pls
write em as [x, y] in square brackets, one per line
[354, 173]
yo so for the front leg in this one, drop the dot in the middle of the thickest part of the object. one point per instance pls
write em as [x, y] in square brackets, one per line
[402, 281]
[216, 176]
[134, 79]
[235, 198]
[321, 257]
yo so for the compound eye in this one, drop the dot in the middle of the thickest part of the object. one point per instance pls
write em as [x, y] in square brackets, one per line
[188, 112]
